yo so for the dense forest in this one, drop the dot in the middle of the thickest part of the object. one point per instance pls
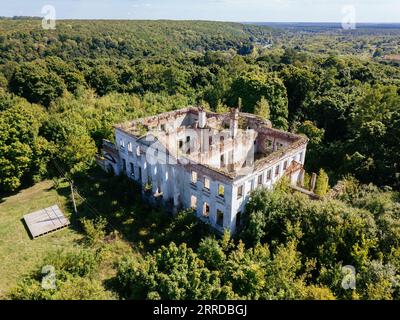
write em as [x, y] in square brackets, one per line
[62, 90]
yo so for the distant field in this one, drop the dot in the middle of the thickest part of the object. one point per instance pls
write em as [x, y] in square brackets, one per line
[19, 254]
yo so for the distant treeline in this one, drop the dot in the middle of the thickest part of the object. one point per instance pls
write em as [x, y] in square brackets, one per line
[20, 18]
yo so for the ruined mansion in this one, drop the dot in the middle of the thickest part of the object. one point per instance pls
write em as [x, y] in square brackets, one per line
[193, 158]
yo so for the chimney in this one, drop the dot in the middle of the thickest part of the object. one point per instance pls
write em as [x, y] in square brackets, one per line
[234, 123]
[202, 118]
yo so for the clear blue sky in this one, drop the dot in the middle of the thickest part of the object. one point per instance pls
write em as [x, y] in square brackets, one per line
[223, 10]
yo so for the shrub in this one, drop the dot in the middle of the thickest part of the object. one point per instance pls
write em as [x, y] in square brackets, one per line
[74, 279]
[322, 184]
[95, 230]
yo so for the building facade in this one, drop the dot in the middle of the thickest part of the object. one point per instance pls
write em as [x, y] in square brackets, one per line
[192, 158]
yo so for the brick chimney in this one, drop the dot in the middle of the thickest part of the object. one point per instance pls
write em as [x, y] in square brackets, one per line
[234, 122]
[202, 118]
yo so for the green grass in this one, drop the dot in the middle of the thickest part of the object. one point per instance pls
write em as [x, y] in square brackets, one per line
[18, 253]
[133, 226]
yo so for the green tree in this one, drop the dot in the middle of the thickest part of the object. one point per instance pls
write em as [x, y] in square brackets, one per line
[220, 108]
[262, 108]
[95, 231]
[170, 273]
[103, 79]
[78, 153]
[254, 231]
[253, 86]
[246, 270]
[322, 183]
[299, 83]
[3, 81]
[35, 82]
[315, 147]
[24, 154]
[378, 281]
[211, 253]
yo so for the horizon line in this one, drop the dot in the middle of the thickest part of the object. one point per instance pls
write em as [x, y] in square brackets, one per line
[205, 20]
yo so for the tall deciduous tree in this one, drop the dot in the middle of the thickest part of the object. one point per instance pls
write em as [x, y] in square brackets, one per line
[24, 154]
[252, 86]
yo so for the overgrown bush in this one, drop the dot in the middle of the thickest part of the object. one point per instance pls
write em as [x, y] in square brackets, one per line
[63, 275]
[94, 231]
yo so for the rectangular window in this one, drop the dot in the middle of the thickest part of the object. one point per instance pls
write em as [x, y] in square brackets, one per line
[238, 219]
[188, 145]
[277, 170]
[130, 148]
[220, 218]
[207, 184]
[180, 144]
[162, 127]
[285, 165]
[206, 210]
[193, 202]
[269, 175]
[252, 185]
[221, 190]
[240, 192]
[132, 169]
[138, 151]
[260, 180]
[194, 177]
[123, 165]
[301, 157]
[140, 173]
[122, 143]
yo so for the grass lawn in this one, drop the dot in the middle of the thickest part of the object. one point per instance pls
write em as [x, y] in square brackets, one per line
[133, 227]
[18, 253]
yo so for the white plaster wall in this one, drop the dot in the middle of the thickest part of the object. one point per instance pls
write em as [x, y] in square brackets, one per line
[250, 182]
[175, 182]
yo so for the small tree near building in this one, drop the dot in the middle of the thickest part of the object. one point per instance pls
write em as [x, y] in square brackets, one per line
[322, 184]
[262, 108]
